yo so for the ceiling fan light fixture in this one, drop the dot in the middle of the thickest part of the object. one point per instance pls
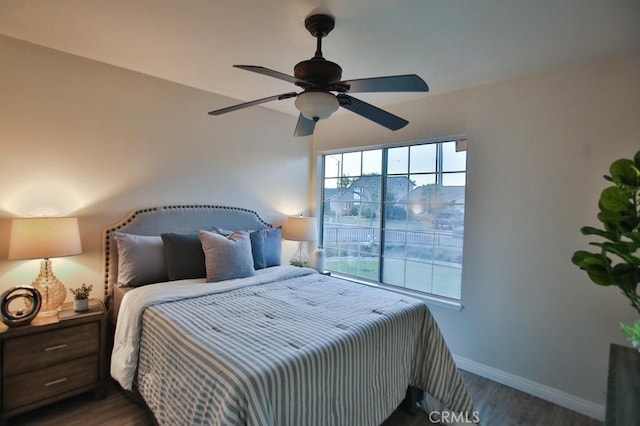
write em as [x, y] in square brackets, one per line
[317, 105]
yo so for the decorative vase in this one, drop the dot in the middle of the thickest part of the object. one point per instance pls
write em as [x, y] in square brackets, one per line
[318, 259]
[80, 305]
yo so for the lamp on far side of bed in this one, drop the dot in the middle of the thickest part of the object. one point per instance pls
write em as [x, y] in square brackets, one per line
[44, 238]
[300, 228]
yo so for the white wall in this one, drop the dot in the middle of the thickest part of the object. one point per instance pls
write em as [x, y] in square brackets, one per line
[81, 138]
[538, 149]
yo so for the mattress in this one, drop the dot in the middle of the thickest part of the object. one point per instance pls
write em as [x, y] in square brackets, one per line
[115, 301]
[287, 346]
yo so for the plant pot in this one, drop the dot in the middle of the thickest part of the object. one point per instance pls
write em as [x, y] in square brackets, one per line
[80, 305]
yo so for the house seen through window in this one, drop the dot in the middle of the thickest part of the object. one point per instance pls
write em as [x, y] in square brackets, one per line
[395, 216]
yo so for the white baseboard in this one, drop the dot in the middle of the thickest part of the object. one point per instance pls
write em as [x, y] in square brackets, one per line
[547, 393]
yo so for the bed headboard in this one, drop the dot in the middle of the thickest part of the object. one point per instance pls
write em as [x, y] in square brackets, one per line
[178, 219]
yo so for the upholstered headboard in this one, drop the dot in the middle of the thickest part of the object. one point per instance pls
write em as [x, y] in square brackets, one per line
[177, 219]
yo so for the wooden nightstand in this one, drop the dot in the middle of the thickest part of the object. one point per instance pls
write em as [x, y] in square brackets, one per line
[53, 358]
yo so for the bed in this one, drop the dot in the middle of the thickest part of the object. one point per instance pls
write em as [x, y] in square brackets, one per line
[278, 345]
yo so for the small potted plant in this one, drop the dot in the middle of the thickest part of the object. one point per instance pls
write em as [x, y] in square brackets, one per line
[81, 297]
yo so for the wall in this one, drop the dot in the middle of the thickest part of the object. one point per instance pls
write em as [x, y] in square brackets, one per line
[81, 138]
[538, 149]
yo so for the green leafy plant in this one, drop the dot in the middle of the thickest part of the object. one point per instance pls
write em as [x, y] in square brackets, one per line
[299, 263]
[617, 262]
[633, 333]
[82, 292]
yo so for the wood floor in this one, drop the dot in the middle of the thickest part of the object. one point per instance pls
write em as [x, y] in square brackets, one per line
[497, 405]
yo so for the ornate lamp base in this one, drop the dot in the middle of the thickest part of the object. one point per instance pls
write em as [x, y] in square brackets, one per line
[51, 289]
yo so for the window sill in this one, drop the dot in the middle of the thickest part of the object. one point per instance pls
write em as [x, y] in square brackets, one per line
[428, 299]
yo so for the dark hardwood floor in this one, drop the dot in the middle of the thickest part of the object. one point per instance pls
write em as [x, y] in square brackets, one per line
[497, 404]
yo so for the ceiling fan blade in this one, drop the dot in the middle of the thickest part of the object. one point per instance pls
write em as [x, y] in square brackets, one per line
[373, 113]
[252, 103]
[275, 74]
[304, 127]
[392, 83]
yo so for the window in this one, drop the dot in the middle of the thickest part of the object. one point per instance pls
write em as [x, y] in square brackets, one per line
[395, 216]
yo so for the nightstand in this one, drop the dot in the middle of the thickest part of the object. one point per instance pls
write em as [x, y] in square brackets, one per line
[53, 358]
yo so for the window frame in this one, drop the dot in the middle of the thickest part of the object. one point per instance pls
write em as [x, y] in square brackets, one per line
[439, 172]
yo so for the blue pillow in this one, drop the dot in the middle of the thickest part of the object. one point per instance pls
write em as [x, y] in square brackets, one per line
[266, 247]
[184, 256]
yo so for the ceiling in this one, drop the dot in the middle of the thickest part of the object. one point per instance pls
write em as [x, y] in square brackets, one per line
[451, 44]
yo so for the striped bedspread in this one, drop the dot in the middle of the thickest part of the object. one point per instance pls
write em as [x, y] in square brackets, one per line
[293, 350]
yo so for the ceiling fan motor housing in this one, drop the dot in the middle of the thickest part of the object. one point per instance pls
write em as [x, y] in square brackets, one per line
[318, 71]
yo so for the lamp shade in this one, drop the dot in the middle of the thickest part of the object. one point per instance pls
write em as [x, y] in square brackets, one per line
[316, 105]
[43, 238]
[299, 228]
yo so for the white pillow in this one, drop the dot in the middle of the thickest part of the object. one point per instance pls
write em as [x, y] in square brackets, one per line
[227, 257]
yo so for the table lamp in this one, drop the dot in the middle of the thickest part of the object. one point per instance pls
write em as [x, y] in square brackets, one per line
[299, 228]
[44, 238]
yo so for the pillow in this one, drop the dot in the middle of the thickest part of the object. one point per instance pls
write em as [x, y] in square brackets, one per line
[183, 256]
[221, 231]
[266, 247]
[227, 257]
[140, 260]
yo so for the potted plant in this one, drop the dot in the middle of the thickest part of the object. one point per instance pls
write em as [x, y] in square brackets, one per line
[81, 297]
[617, 262]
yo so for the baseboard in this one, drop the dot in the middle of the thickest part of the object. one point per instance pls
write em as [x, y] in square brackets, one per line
[547, 393]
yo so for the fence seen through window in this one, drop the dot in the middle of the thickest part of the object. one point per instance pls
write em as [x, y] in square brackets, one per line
[396, 215]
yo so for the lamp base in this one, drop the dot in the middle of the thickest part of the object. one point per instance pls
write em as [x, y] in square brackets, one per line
[51, 290]
[300, 257]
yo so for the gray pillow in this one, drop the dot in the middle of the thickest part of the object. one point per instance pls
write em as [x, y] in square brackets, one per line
[227, 257]
[140, 260]
[221, 231]
[266, 246]
[184, 256]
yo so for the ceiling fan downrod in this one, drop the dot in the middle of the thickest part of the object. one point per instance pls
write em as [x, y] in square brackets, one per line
[319, 26]
[318, 54]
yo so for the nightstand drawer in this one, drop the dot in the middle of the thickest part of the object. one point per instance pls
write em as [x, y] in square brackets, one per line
[51, 381]
[25, 354]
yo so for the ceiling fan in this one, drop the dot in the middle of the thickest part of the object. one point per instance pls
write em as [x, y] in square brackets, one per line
[319, 77]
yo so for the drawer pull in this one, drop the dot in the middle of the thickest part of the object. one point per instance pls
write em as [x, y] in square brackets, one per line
[55, 348]
[55, 382]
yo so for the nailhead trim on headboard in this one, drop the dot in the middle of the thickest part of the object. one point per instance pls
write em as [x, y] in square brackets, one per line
[135, 216]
